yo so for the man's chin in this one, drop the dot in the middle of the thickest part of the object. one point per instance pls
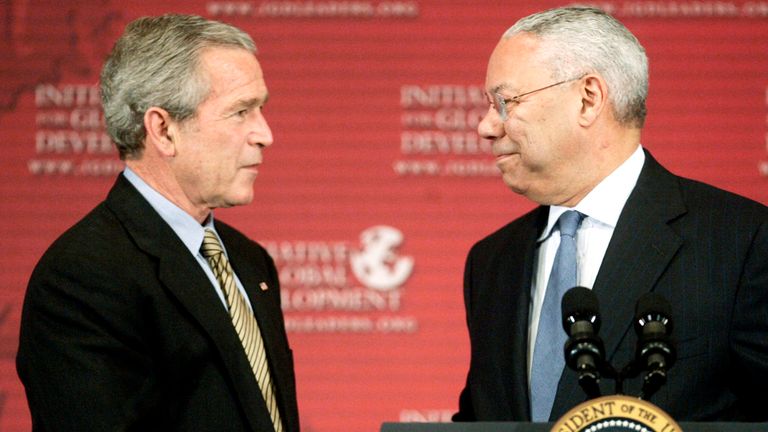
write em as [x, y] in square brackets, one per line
[237, 200]
[513, 184]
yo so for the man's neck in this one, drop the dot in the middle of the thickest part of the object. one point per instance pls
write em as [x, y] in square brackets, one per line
[160, 179]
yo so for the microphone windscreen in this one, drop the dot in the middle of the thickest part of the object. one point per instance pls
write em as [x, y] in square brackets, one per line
[580, 303]
[653, 304]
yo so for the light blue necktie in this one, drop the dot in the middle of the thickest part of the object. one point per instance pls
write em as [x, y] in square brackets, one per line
[548, 360]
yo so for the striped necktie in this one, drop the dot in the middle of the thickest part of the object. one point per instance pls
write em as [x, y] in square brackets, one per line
[244, 321]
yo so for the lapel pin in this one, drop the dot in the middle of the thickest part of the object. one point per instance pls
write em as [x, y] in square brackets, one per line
[263, 286]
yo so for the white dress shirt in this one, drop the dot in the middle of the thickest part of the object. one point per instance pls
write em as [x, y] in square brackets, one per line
[602, 207]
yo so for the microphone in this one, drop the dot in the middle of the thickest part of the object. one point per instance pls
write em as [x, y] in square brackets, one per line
[584, 351]
[655, 348]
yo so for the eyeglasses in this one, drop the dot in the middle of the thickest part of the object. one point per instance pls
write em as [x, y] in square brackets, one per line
[501, 103]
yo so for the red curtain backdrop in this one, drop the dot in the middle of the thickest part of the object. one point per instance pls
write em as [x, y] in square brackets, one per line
[373, 106]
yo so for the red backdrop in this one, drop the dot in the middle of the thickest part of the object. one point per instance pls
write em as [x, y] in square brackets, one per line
[373, 107]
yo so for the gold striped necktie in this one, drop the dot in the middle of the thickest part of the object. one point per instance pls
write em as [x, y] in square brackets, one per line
[244, 321]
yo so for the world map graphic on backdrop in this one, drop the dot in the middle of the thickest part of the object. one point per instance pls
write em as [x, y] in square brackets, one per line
[46, 40]
[377, 184]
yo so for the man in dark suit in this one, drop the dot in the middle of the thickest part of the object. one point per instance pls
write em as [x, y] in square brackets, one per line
[132, 321]
[567, 89]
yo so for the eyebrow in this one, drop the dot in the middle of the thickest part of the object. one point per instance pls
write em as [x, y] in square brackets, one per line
[502, 86]
[249, 103]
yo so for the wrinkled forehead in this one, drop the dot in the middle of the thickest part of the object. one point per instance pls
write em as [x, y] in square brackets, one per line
[515, 63]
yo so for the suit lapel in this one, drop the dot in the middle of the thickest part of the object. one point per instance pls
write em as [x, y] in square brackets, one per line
[508, 318]
[195, 293]
[181, 275]
[522, 314]
[641, 248]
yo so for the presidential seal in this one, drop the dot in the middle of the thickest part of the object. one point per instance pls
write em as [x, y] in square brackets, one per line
[616, 414]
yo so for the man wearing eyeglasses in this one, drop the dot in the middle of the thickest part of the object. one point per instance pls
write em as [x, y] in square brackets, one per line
[567, 91]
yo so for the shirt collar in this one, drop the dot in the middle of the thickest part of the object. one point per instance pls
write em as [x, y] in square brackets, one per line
[183, 224]
[604, 203]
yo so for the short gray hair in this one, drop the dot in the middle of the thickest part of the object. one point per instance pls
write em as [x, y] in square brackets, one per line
[155, 63]
[581, 40]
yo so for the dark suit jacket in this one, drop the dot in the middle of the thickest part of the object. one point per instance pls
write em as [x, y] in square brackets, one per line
[704, 249]
[122, 330]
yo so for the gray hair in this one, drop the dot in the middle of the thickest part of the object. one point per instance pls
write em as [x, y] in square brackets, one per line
[155, 63]
[581, 40]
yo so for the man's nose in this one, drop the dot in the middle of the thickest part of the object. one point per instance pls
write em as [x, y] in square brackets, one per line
[260, 134]
[491, 127]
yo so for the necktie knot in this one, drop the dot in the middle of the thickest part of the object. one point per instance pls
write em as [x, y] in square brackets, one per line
[211, 246]
[569, 222]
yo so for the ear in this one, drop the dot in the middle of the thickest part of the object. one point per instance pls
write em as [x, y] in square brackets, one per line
[160, 131]
[594, 98]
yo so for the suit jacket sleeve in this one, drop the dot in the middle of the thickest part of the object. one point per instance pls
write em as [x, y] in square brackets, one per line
[75, 344]
[466, 411]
